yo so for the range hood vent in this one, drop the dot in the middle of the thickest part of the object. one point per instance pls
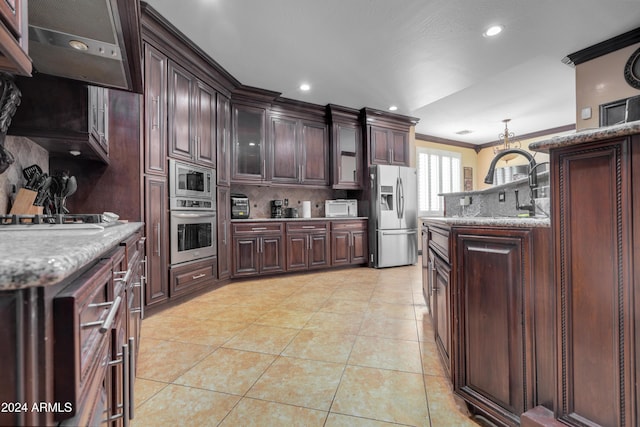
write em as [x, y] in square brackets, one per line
[96, 41]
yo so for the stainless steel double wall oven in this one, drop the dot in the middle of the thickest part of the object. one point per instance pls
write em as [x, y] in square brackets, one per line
[192, 203]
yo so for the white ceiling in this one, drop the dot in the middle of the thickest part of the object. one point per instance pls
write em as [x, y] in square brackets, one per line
[428, 57]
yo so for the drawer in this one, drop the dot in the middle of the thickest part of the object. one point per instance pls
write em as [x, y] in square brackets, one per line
[349, 225]
[132, 247]
[439, 241]
[189, 276]
[258, 228]
[307, 227]
[83, 314]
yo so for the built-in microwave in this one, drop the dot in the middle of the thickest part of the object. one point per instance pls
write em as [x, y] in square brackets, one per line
[186, 180]
[340, 208]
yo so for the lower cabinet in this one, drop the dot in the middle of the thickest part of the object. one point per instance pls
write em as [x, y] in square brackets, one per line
[307, 245]
[187, 277]
[349, 242]
[258, 248]
[441, 297]
[157, 226]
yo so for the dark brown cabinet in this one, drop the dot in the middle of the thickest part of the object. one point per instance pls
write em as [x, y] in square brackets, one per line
[307, 245]
[224, 232]
[223, 146]
[387, 137]
[190, 276]
[596, 223]
[299, 151]
[73, 117]
[349, 242]
[13, 38]
[346, 147]
[155, 115]
[258, 247]
[248, 150]
[156, 230]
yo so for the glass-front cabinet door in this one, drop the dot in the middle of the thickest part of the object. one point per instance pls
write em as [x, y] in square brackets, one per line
[347, 156]
[248, 150]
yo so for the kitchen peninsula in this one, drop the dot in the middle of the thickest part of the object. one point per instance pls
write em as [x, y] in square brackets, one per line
[71, 309]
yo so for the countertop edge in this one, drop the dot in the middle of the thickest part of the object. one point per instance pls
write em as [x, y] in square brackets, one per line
[491, 222]
[349, 218]
[587, 135]
[21, 271]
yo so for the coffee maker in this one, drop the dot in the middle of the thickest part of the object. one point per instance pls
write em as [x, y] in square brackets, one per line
[277, 209]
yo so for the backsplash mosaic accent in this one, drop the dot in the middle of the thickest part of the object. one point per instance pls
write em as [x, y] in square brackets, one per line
[25, 153]
[260, 198]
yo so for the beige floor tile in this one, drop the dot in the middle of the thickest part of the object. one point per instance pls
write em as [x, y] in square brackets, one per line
[258, 413]
[194, 309]
[386, 354]
[338, 420]
[353, 294]
[344, 306]
[161, 360]
[180, 406]
[285, 318]
[213, 333]
[384, 327]
[393, 296]
[263, 339]
[303, 303]
[391, 310]
[227, 370]
[319, 345]
[335, 322]
[162, 326]
[308, 383]
[432, 363]
[144, 389]
[237, 313]
[443, 409]
[391, 396]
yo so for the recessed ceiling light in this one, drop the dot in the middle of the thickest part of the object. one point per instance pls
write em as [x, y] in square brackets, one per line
[393, 108]
[78, 45]
[305, 87]
[493, 31]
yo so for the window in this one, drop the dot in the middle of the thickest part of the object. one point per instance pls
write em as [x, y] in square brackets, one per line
[438, 172]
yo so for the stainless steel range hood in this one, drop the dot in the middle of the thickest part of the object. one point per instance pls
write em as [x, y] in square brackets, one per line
[97, 41]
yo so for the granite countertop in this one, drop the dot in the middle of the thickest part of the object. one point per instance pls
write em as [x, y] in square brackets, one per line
[589, 135]
[46, 257]
[510, 222]
[298, 219]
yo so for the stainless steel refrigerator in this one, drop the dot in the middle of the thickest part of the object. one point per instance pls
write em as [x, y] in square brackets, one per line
[393, 216]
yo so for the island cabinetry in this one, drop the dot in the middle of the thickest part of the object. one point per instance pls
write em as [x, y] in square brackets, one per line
[503, 356]
[13, 37]
[596, 218]
[349, 242]
[346, 147]
[437, 291]
[300, 151]
[308, 245]
[258, 247]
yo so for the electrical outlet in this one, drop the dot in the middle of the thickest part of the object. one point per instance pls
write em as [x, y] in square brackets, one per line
[501, 196]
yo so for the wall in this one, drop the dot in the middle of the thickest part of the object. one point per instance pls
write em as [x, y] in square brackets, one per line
[600, 81]
[25, 153]
[469, 156]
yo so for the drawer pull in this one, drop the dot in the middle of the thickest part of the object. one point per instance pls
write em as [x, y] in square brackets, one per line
[258, 228]
[308, 226]
[198, 276]
[125, 275]
[105, 325]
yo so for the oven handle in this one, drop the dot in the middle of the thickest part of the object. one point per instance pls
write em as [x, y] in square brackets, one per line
[194, 215]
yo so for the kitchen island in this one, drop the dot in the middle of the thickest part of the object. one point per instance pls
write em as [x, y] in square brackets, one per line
[487, 282]
[70, 309]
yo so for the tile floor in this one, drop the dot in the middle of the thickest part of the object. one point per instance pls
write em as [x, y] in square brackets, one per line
[349, 347]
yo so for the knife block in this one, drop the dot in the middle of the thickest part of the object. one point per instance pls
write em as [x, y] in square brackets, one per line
[23, 205]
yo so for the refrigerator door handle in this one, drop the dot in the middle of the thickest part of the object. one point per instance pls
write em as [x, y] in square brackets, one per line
[398, 198]
[401, 199]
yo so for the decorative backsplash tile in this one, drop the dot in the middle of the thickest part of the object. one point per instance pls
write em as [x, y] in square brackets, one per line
[260, 198]
[25, 153]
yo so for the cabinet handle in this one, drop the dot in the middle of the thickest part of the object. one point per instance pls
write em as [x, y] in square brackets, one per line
[258, 228]
[156, 100]
[126, 275]
[143, 287]
[198, 276]
[309, 226]
[224, 228]
[105, 324]
[126, 384]
[157, 250]
[132, 376]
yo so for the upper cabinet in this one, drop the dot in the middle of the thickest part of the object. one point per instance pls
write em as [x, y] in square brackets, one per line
[72, 118]
[14, 56]
[299, 151]
[346, 147]
[387, 137]
[155, 115]
[248, 152]
[223, 145]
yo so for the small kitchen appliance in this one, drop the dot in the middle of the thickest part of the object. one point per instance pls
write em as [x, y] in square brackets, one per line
[291, 213]
[340, 208]
[190, 181]
[239, 206]
[277, 210]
